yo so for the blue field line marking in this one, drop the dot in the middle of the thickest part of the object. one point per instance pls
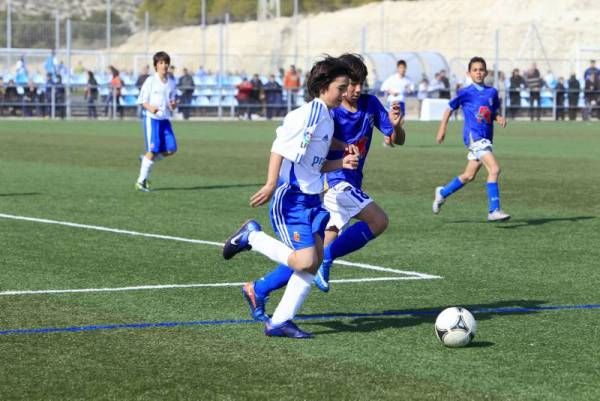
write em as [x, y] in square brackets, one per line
[330, 316]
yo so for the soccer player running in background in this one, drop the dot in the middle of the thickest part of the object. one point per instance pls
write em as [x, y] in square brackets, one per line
[295, 182]
[480, 106]
[353, 120]
[157, 98]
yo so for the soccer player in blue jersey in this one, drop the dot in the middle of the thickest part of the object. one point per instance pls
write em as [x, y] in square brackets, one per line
[353, 121]
[295, 183]
[157, 97]
[480, 106]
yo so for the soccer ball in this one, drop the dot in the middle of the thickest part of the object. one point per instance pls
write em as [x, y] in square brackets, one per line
[455, 327]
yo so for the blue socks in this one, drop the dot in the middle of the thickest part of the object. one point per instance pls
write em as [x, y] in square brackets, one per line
[353, 238]
[493, 194]
[274, 280]
[452, 187]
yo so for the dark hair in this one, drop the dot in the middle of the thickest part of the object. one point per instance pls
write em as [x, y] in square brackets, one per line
[322, 74]
[161, 56]
[400, 62]
[477, 59]
[356, 64]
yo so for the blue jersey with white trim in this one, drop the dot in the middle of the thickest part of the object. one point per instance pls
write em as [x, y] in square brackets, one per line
[357, 128]
[303, 140]
[480, 106]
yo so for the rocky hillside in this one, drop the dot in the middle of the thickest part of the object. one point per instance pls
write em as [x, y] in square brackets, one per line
[126, 9]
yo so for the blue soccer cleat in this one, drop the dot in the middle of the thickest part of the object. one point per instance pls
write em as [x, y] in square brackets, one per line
[322, 277]
[256, 303]
[285, 329]
[238, 242]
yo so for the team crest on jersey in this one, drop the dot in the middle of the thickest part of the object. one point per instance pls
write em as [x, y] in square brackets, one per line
[484, 114]
[307, 136]
[296, 236]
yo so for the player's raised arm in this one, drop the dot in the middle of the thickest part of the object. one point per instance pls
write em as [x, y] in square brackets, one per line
[441, 134]
[398, 137]
[264, 194]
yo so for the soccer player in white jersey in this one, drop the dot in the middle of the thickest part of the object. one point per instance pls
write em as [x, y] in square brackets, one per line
[397, 86]
[295, 183]
[157, 98]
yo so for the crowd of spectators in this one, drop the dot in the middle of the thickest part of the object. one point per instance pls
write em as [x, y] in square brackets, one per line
[526, 93]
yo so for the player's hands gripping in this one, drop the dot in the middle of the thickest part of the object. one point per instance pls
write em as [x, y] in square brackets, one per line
[350, 160]
[262, 196]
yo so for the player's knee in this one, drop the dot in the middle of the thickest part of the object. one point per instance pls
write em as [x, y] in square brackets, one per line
[494, 171]
[308, 264]
[467, 177]
[379, 224]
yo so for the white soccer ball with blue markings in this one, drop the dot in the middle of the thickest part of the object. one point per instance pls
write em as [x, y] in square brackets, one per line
[455, 327]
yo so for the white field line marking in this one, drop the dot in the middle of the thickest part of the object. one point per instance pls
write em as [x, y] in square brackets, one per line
[407, 275]
[170, 286]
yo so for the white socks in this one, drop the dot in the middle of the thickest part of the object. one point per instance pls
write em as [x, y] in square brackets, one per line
[145, 169]
[273, 249]
[298, 288]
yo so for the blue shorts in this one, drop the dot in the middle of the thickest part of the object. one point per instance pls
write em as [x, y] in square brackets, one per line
[296, 217]
[159, 135]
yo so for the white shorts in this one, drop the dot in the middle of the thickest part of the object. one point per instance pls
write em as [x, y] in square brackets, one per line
[344, 201]
[479, 148]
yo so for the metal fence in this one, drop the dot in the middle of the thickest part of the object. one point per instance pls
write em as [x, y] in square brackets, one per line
[208, 99]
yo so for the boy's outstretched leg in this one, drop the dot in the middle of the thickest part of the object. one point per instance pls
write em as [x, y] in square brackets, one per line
[495, 212]
[257, 292]
[441, 193]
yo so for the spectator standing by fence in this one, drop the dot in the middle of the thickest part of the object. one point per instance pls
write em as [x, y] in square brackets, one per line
[517, 82]
[11, 97]
[60, 97]
[560, 99]
[591, 70]
[592, 86]
[273, 97]
[534, 83]
[114, 97]
[257, 96]
[142, 77]
[48, 95]
[574, 87]
[243, 97]
[30, 99]
[186, 86]
[291, 83]
[91, 95]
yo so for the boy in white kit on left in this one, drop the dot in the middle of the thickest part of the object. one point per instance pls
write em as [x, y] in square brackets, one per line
[295, 183]
[157, 98]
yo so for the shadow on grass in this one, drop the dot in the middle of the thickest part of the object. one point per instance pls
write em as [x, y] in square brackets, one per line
[517, 223]
[538, 222]
[198, 188]
[22, 194]
[354, 322]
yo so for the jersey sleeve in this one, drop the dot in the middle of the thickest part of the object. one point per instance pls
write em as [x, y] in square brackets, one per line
[295, 134]
[382, 119]
[144, 96]
[457, 101]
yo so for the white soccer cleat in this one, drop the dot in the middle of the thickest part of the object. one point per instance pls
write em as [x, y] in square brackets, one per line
[498, 215]
[438, 200]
